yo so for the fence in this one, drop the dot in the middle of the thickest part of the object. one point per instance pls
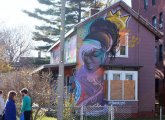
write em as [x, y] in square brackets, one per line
[95, 113]
[109, 113]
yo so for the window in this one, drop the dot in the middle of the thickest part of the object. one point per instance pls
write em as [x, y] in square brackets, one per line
[122, 50]
[156, 55]
[123, 45]
[116, 77]
[153, 2]
[129, 77]
[121, 85]
[160, 52]
[161, 20]
[145, 4]
[154, 21]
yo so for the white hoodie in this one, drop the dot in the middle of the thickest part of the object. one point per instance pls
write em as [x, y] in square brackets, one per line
[2, 105]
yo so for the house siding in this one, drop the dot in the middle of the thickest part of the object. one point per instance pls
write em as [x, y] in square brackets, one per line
[149, 13]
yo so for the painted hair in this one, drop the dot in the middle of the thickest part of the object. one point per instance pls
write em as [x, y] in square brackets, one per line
[106, 33]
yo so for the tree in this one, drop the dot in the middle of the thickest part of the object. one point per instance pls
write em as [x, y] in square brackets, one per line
[49, 32]
[15, 42]
[39, 86]
[4, 65]
[80, 7]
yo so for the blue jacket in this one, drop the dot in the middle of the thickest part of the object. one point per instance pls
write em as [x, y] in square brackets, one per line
[10, 110]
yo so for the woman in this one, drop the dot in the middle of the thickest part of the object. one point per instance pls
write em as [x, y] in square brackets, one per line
[10, 108]
[98, 45]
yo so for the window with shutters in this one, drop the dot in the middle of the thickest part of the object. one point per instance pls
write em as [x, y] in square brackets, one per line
[121, 85]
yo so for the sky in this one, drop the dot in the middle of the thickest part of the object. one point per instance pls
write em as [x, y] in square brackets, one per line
[11, 13]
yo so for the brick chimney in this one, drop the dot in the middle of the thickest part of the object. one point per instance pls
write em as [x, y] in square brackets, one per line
[93, 11]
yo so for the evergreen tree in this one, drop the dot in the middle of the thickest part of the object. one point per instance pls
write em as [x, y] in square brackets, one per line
[50, 31]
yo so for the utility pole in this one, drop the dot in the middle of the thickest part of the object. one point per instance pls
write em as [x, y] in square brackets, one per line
[60, 87]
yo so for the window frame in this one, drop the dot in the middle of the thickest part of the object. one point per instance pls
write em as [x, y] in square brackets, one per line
[161, 20]
[126, 48]
[154, 21]
[110, 73]
[160, 53]
[145, 4]
[153, 2]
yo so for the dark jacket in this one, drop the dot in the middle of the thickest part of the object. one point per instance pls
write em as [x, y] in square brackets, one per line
[10, 110]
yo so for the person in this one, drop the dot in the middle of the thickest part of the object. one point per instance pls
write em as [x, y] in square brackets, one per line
[100, 43]
[26, 104]
[2, 105]
[10, 108]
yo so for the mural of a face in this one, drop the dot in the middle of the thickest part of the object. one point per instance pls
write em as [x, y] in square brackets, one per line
[92, 54]
[94, 59]
[100, 43]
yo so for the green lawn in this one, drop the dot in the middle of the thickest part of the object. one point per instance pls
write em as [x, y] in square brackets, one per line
[46, 118]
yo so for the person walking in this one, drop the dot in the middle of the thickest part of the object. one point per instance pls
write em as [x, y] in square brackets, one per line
[26, 104]
[10, 108]
[2, 105]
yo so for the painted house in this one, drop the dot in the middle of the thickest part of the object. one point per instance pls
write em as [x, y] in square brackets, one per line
[110, 59]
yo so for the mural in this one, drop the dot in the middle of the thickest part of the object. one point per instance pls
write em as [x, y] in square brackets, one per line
[55, 55]
[70, 51]
[100, 39]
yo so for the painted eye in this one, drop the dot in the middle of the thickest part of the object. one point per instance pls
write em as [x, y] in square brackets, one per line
[96, 53]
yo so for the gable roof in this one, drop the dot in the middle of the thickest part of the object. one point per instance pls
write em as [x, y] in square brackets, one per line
[137, 16]
[122, 4]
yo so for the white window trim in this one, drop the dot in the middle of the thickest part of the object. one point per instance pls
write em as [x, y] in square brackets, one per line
[123, 75]
[118, 52]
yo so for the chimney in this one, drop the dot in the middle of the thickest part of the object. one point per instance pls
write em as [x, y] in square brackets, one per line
[39, 54]
[93, 11]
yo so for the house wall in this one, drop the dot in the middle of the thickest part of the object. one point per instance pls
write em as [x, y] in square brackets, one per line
[141, 48]
[155, 10]
[93, 51]
[70, 49]
[55, 55]
[70, 45]
[142, 54]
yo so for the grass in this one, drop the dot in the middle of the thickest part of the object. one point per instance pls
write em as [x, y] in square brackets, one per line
[46, 118]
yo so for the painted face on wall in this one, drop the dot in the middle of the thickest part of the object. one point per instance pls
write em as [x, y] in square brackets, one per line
[94, 59]
[92, 54]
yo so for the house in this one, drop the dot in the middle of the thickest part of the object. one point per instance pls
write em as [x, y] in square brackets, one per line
[110, 59]
[156, 18]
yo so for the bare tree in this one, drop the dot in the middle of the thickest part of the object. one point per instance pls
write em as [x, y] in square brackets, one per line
[16, 42]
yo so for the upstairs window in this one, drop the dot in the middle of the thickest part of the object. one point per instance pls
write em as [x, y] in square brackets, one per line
[160, 52]
[156, 55]
[153, 2]
[123, 45]
[161, 20]
[154, 21]
[145, 4]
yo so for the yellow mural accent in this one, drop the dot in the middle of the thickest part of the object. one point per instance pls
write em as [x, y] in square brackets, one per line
[116, 18]
[133, 41]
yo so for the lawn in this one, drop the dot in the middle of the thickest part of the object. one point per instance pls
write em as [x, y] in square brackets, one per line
[46, 118]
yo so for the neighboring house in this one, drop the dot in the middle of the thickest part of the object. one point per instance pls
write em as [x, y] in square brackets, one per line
[93, 77]
[154, 12]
